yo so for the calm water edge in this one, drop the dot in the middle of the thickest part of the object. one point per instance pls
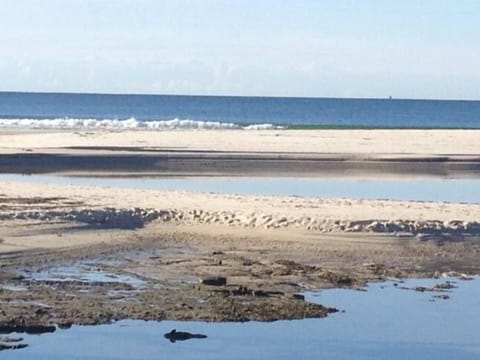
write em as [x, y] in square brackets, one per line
[384, 322]
[448, 190]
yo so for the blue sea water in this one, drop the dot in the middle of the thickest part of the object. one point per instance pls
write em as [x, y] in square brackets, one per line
[231, 112]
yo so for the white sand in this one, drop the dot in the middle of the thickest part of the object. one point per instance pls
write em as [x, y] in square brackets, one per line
[252, 211]
[365, 142]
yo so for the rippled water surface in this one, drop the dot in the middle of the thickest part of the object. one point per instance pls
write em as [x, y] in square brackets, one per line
[297, 112]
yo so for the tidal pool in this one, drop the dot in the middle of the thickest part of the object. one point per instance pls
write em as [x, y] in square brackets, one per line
[448, 190]
[80, 272]
[384, 322]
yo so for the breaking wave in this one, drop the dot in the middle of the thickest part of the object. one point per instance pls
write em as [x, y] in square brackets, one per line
[132, 123]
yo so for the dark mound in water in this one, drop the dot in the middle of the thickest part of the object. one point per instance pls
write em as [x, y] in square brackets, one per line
[175, 335]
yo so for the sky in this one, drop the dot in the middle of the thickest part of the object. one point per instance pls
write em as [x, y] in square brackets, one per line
[319, 48]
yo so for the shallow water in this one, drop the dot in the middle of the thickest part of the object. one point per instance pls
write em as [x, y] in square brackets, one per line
[80, 272]
[383, 323]
[448, 190]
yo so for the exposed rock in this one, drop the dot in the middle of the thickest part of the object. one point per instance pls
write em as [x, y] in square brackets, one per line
[175, 335]
[28, 329]
[10, 346]
[442, 296]
[215, 281]
[444, 286]
[298, 296]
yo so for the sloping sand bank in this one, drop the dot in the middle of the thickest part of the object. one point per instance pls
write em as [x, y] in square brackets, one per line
[132, 206]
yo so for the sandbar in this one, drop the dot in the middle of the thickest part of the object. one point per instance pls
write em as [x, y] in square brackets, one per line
[358, 153]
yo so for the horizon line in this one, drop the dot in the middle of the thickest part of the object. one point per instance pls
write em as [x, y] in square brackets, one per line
[232, 96]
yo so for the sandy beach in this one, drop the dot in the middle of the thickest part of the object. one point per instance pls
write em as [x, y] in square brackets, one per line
[209, 180]
[404, 143]
[268, 248]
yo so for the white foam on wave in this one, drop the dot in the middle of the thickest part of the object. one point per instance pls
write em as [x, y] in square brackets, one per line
[262, 127]
[132, 123]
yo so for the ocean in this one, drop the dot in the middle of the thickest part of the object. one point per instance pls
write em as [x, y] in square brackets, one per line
[60, 110]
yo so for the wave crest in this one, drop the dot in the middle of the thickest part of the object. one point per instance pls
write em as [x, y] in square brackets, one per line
[132, 123]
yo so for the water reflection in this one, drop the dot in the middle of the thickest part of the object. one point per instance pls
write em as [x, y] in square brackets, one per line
[449, 190]
[383, 323]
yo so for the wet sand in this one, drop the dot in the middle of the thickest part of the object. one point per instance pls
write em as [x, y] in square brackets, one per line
[264, 271]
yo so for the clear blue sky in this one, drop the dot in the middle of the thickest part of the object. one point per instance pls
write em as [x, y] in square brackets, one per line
[335, 48]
